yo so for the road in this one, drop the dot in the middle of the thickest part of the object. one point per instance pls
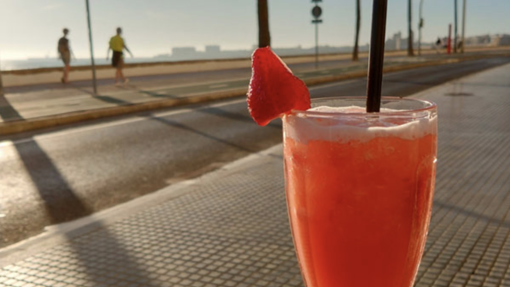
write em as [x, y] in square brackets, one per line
[57, 175]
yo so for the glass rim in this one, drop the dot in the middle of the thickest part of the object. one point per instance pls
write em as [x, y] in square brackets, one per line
[429, 106]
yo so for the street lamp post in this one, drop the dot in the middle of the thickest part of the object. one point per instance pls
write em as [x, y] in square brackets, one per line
[91, 49]
[420, 26]
[316, 13]
[410, 51]
[449, 41]
[463, 26]
[455, 30]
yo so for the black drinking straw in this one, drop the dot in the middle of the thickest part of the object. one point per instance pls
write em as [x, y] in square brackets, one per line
[376, 56]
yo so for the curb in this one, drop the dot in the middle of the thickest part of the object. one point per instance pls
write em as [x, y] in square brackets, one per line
[10, 128]
[74, 117]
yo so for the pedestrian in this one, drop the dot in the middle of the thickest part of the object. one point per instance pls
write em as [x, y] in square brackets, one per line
[117, 45]
[438, 45]
[64, 51]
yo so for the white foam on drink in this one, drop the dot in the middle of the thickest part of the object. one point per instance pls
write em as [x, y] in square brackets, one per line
[304, 127]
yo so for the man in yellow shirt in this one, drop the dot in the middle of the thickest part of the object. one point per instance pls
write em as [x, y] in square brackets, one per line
[117, 45]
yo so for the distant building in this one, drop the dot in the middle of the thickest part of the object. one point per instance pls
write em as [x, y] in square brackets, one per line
[505, 40]
[500, 40]
[483, 40]
[394, 43]
[212, 49]
[488, 40]
[184, 52]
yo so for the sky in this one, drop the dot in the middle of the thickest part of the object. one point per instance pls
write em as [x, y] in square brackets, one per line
[31, 28]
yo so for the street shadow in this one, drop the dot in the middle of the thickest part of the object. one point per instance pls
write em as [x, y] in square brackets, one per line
[153, 94]
[157, 95]
[7, 111]
[60, 202]
[106, 99]
[112, 100]
[212, 137]
[95, 249]
[485, 218]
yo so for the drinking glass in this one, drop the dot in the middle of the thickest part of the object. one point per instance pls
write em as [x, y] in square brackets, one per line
[359, 189]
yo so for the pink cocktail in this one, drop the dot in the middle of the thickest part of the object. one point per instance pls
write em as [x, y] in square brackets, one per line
[359, 189]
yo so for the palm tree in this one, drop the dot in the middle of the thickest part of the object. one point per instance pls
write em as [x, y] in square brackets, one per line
[410, 51]
[264, 37]
[358, 24]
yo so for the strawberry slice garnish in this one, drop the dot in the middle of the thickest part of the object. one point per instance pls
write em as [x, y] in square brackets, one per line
[274, 90]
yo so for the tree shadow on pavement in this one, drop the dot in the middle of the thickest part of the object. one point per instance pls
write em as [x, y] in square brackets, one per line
[60, 202]
[112, 100]
[7, 111]
[106, 99]
[153, 94]
[99, 246]
[157, 95]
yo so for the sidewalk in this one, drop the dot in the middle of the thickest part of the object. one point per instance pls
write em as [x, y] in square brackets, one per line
[39, 109]
[230, 227]
[76, 98]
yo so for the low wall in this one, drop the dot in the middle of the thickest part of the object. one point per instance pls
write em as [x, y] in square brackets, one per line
[53, 75]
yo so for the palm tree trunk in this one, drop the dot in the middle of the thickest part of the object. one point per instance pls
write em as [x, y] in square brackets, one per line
[1, 84]
[410, 51]
[358, 25]
[264, 37]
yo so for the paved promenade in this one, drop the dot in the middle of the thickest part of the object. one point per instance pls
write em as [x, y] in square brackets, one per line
[25, 108]
[61, 99]
[230, 227]
[29, 107]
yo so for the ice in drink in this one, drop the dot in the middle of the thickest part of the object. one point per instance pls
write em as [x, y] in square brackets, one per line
[359, 193]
